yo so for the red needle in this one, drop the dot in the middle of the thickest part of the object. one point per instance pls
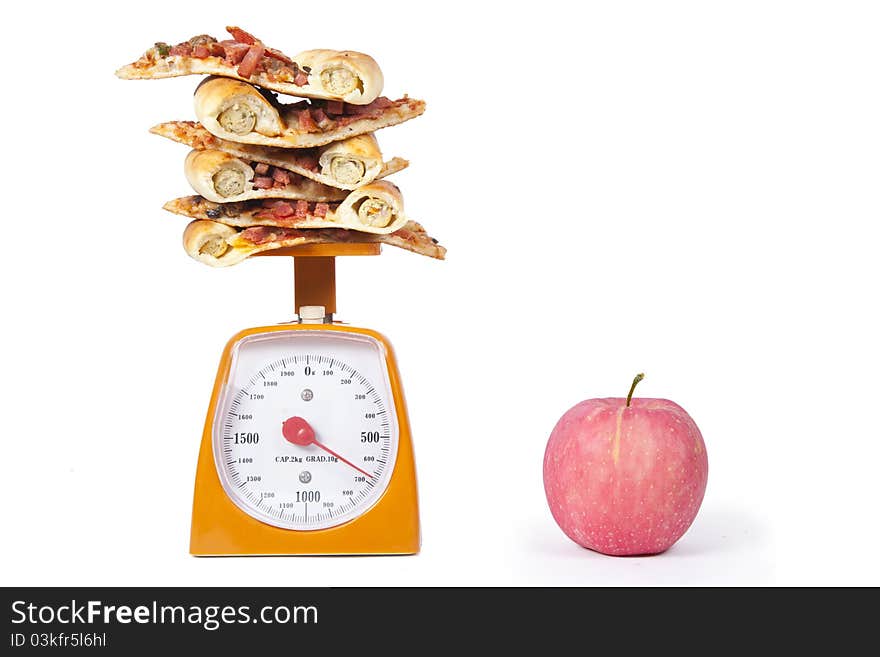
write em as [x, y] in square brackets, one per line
[344, 460]
[298, 431]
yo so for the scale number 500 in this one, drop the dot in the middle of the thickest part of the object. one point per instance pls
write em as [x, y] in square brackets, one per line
[369, 436]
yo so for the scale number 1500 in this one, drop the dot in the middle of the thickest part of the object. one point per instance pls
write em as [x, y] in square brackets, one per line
[250, 438]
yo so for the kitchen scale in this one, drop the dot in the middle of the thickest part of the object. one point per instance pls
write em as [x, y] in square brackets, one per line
[306, 447]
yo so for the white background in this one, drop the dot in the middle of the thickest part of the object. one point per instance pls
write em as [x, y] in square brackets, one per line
[684, 188]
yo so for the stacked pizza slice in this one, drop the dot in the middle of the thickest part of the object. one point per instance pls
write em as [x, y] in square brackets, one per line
[270, 174]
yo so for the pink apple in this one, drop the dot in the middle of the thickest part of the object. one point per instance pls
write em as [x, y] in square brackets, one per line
[625, 476]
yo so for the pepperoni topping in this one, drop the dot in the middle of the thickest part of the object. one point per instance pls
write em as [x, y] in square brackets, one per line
[290, 212]
[382, 102]
[306, 122]
[258, 234]
[249, 64]
[235, 52]
[277, 54]
[309, 161]
[324, 122]
[352, 110]
[324, 115]
[269, 177]
[241, 36]
[244, 51]
[334, 107]
[282, 209]
[181, 49]
[281, 176]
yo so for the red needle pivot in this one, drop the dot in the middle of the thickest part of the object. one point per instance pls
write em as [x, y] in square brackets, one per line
[298, 431]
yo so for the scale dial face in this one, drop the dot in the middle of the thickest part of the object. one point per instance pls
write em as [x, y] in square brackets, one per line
[305, 433]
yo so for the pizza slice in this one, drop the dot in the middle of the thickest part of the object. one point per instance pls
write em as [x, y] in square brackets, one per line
[345, 164]
[237, 111]
[219, 245]
[331, 74]
[374, 208]
[221, 177]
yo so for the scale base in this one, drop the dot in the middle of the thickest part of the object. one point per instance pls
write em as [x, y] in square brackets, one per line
[223, 542]
[240, 535]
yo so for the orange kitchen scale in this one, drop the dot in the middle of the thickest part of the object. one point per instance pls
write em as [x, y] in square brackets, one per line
[306, 448]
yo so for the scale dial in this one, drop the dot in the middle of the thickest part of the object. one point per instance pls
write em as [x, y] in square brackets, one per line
[305, 435]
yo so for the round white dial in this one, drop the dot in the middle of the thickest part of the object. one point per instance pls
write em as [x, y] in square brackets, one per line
[305, 435]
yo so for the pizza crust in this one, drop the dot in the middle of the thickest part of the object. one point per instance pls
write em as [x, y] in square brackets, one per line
[219, 245]
[208, 242]
[224, 178]
[355, 161]
[363, 148]
[233, 109]
[374, 208]
[343, 74]
[322, 82]
[237, 111]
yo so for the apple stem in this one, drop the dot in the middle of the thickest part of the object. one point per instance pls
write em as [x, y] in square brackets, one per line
[632, 388]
